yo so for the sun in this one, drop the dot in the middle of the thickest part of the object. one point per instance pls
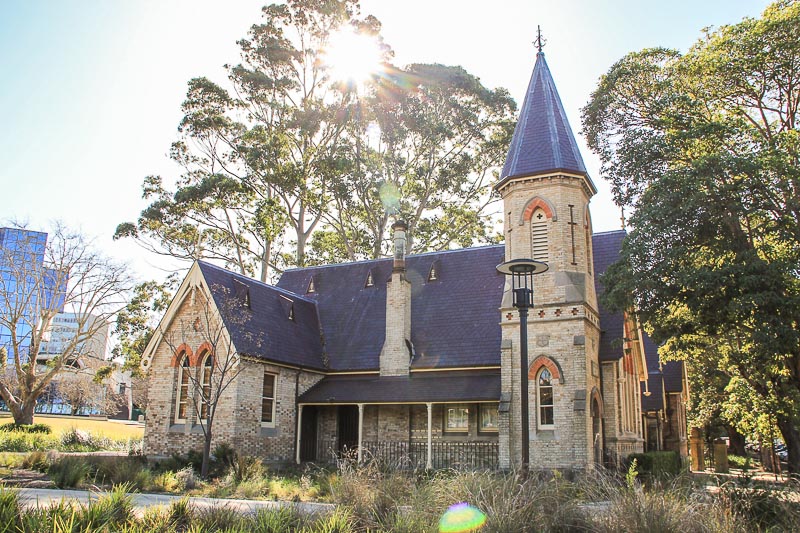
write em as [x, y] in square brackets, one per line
[352, 56]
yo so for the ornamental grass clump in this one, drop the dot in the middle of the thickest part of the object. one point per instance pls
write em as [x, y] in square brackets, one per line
[68, 472]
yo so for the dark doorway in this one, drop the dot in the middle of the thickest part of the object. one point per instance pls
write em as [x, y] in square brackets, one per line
[308, 434]
[348, 427]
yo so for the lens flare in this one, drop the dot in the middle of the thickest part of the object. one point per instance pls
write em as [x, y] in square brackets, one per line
[461, 518]
[390, 198]
[352, 56]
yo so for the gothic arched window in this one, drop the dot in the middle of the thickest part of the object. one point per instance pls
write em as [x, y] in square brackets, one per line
[544, 395]
[539, 227]
[182, 394]
[205, 383]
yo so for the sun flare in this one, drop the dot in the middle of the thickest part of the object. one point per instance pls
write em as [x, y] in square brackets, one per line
[352, 56]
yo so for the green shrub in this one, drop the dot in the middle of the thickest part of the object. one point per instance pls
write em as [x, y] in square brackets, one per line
[68, 472]
[20, 441]
[9, 511]
[36, 460]
[218, 518]
[281, 520]
[657, 464]
[737, 461]
[26, 428]
[108, 513]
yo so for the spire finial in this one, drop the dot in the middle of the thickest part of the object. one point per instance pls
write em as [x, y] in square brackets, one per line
[539, 42]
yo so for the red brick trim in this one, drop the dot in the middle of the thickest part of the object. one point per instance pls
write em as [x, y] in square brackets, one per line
[535, 203]
[544, 361]
[201, 352]
[182, 350]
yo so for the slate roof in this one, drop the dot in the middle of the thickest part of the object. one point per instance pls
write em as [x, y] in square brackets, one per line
[673, 376]
[455, 320]
[264, 329]
[655, 384]
[425, 387]
[606, 247]
[543, 140]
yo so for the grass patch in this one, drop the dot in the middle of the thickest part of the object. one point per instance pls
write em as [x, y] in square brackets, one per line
[102, 428]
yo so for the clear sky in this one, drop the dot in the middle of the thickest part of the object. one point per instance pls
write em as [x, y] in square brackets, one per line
[90, 90]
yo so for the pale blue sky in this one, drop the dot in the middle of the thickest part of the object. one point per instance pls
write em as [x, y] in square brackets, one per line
[90, 90]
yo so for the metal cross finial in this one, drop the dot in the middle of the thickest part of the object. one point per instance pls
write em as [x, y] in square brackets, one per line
[539, 42]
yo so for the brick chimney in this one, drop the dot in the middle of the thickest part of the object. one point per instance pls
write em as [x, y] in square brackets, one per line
[395, 356]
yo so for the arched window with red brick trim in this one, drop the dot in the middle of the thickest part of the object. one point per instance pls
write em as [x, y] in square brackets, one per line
[545, 399]
[206, 370]
[182, 392]
[540, 229]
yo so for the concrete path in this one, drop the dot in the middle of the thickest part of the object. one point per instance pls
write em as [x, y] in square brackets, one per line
[44, 497]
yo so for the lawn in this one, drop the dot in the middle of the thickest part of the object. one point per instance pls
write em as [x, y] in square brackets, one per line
[106, 428]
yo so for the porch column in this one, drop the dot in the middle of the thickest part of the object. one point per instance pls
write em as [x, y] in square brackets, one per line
[299, 429]
[429, 462]
[360, 429]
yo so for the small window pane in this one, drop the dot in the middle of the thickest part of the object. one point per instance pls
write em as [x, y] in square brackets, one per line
[488, 417]
[457, 419]
[266, 410]
[268, 399]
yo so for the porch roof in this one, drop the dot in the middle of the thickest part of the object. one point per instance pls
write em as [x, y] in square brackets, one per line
[435, 387]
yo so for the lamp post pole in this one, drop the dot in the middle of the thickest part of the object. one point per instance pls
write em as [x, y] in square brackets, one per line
[522, 272]
[523, 386]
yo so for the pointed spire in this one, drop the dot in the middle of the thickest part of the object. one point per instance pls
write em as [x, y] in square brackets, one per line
[543, 142]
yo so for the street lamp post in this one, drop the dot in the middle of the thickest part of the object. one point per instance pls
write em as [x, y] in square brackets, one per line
[522, 272]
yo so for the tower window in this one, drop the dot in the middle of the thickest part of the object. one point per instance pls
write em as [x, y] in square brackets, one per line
[539, 227]
[311, 288]
[544, 393]
[370, 281]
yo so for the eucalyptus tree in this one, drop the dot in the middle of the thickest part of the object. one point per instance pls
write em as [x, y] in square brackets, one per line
[257, 154]
[703, 151]
[426, 147]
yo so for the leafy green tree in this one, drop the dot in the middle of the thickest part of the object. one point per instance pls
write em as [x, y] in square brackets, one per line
[702, 152]
[290, 165]
[136, 323]
[425, 147]
[257, 157]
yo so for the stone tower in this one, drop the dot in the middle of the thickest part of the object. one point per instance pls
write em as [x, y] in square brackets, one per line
[546, 192]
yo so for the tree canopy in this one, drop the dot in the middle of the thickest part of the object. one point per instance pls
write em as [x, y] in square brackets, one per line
[702, 152]
[284, 156]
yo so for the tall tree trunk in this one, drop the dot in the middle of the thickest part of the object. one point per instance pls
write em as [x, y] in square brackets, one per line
[25, 413]
[737, 441]
[206, 452]
[791, 436]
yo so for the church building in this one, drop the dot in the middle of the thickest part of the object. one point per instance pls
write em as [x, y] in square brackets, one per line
[415, 359]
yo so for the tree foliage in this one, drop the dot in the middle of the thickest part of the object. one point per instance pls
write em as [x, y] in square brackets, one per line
[283, 149]
[702, 152]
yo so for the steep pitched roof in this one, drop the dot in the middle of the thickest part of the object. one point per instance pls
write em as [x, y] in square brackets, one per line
[542, 141]
[264, 329]
[455, 322]
[654, 402]
[673, 376]
[425, 387]
[606, 247]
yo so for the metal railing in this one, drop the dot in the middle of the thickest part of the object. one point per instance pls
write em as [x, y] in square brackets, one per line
[414, 454]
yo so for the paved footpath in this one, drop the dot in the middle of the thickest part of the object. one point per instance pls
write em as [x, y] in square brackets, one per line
[43, 497]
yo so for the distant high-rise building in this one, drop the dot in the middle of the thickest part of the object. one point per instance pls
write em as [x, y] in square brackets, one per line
[26, 285]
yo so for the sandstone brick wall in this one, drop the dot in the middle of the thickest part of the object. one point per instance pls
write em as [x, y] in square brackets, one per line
[238, 418]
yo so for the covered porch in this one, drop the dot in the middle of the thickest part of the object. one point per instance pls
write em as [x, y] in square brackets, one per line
[431, 420]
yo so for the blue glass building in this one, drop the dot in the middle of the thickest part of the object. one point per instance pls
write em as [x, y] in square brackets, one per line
[26, 286]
